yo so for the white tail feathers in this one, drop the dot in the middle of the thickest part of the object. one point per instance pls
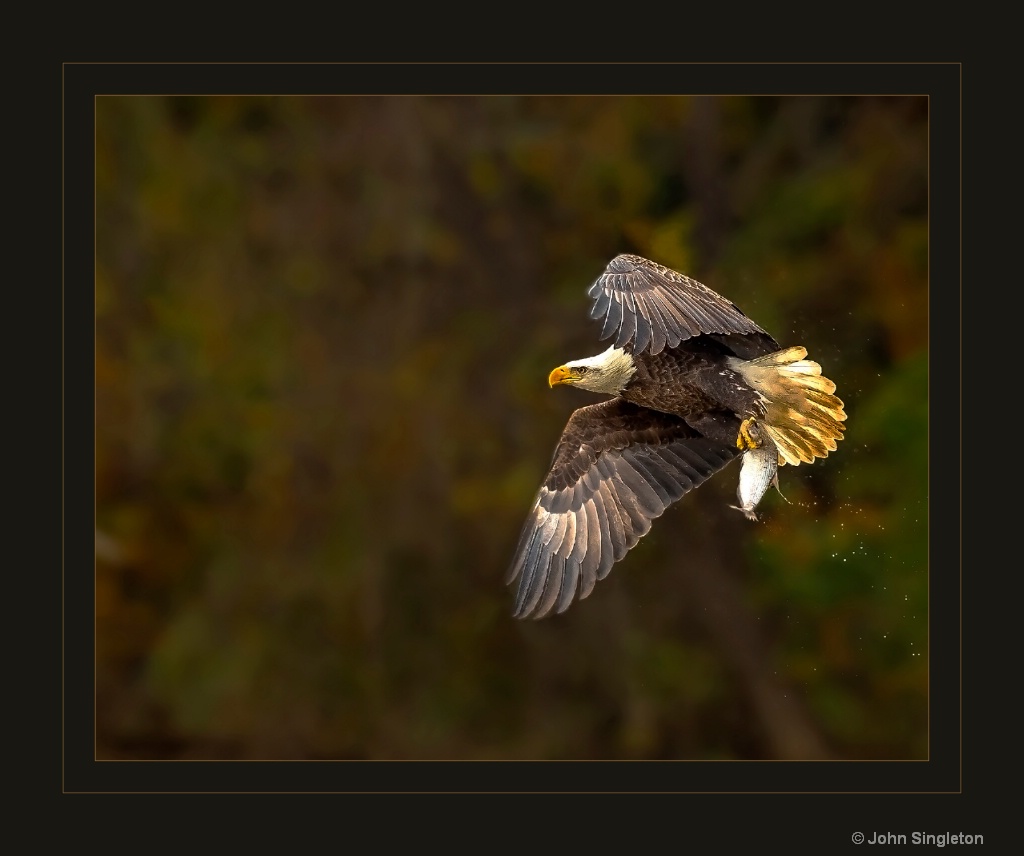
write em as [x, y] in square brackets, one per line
[802, 415]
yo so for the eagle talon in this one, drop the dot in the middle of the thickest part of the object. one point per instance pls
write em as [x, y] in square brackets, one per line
[750, 436]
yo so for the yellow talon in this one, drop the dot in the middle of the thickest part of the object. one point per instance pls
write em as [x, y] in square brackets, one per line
[749, 436]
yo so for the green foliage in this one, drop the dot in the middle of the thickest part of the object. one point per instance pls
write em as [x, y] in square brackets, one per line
[324, 327]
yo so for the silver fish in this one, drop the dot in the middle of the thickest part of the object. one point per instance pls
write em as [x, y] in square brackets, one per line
[758, 472]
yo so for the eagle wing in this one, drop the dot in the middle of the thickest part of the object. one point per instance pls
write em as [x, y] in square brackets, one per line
[617, 467]
[655, 307]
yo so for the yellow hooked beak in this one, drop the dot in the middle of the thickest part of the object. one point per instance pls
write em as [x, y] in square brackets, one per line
[563, 374]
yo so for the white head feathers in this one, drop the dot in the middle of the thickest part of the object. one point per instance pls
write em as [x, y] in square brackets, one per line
[608, 372]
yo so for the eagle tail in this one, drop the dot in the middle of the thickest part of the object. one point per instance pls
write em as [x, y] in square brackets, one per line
[802, 416]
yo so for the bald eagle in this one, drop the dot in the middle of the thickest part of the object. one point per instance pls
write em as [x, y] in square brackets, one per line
[694, 384]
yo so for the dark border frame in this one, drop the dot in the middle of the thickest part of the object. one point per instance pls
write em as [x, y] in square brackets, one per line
[941, 773]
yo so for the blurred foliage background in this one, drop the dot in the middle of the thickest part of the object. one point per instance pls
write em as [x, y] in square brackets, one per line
[324, 327]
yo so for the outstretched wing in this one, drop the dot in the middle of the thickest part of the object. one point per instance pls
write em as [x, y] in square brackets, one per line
[616, 468]
[653, 306]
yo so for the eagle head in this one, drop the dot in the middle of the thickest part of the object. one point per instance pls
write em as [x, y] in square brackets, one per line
[608, 372]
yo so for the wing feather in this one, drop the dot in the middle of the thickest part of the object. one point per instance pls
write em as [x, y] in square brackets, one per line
[617, 468]
[630, 316]
[655, 307]
[657, 481]
[531, 573]
[570, 583]
[612, 318]
[552, 585]
[591, 563]
[607, 550]
[616, 527]
[645, 324]
[646, 497]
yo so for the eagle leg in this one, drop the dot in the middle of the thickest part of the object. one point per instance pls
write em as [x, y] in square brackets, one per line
[749, 436]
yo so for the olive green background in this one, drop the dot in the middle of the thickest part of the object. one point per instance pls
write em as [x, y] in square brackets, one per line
[323, 331]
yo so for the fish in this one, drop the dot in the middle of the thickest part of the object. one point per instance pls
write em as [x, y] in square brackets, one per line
[759, 471]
